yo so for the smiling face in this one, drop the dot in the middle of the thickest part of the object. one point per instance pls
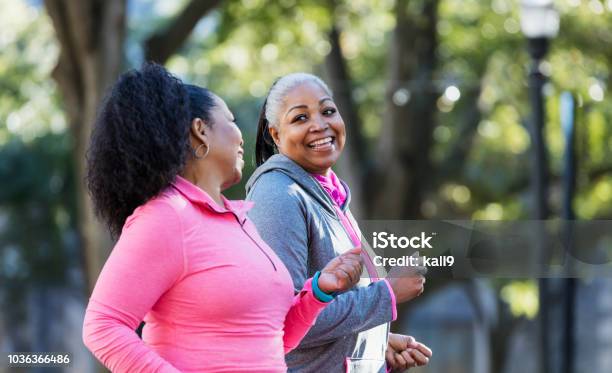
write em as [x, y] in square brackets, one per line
[310, 130]
[225, 140]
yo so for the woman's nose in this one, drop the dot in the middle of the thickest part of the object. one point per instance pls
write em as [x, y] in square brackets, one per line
[319, 124]
[240, 135]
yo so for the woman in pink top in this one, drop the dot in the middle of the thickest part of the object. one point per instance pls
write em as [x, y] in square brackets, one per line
[188, 262]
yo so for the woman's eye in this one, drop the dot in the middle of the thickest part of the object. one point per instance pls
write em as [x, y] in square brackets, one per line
[330, 111]
[299, 118]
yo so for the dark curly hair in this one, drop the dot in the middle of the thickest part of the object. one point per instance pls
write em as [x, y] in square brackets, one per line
[140, 140]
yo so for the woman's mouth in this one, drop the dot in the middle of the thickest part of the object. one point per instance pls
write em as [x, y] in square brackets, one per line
[324, 144]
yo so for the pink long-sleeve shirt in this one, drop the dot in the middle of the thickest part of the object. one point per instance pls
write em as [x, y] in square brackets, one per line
[214, 296]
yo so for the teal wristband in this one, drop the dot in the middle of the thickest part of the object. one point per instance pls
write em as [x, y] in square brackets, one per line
[320, 294]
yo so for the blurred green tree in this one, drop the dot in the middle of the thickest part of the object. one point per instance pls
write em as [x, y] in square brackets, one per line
[91, 35]
[38, 237]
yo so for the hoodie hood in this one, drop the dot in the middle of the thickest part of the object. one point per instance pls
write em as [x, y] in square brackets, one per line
[281, 163]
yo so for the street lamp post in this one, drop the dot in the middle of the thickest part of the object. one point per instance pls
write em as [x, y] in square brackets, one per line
[568, 124]
[540, 23]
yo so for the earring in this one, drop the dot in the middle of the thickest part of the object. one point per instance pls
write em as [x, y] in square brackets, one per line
[195, 152]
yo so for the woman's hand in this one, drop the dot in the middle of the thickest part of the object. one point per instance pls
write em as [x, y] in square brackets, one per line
[404, 352]
[342, 272]
[407, 282]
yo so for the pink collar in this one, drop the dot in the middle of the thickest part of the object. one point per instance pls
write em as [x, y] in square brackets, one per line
[198, 196]
[333, 187]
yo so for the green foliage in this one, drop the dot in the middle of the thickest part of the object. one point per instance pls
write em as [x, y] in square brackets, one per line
[28, 105]
[38, 210]
[37, 207]
[522, 297]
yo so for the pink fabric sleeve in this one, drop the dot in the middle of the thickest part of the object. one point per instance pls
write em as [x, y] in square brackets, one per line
[301, 316]
[146, 261]
[393, 301]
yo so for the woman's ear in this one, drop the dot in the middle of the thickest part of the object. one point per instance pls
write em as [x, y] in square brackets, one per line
[199, 130]
[275, 135]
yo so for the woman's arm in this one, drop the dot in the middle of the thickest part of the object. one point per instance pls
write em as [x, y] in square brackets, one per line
[340, 274]
[281, 220]
[146, 261]
[301, 316]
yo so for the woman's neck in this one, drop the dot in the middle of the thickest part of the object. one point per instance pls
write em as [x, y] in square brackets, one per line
[207, 182]
[213, 189]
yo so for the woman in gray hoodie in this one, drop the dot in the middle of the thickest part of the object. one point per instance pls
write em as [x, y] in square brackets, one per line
[302, 211]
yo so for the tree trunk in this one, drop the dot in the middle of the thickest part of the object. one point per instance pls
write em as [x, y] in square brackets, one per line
[403, 166]
[91, 35]
[163, 44]
[353, 164]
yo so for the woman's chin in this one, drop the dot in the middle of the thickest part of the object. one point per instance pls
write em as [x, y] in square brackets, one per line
[326, 163]
[233, 180]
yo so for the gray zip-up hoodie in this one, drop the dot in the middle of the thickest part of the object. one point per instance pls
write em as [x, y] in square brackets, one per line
[296, 217]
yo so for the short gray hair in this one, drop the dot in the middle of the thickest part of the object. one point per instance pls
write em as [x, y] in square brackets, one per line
[276, 97]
